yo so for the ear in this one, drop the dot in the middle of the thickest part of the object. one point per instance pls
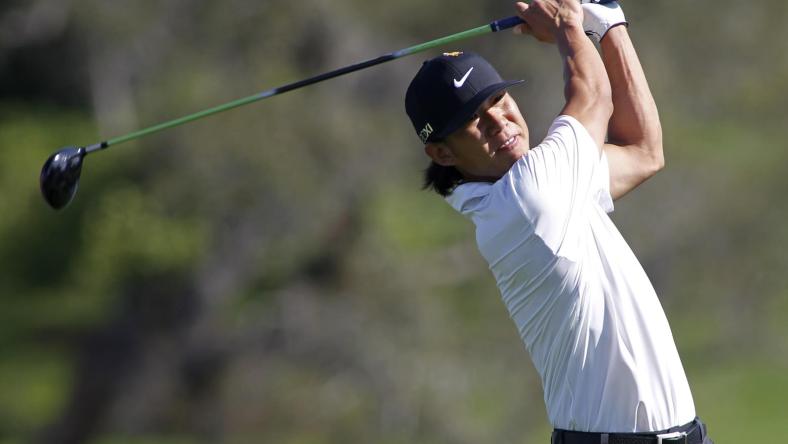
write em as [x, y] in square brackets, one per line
[440, 153]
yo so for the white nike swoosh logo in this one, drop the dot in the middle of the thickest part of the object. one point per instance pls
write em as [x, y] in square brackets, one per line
[459, 83]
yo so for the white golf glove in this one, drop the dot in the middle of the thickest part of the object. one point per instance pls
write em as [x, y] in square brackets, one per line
[598, 18]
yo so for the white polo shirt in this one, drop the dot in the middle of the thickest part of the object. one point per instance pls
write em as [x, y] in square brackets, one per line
[583, 305]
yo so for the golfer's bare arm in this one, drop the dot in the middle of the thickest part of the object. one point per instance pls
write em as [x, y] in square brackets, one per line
[587, 87]
[634, 147]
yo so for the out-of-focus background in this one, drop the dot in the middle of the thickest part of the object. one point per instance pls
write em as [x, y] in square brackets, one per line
[275, 274]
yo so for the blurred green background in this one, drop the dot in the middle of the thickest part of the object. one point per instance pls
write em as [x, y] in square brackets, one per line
[275, 274]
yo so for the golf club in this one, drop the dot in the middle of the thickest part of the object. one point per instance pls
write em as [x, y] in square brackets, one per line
[60, 174]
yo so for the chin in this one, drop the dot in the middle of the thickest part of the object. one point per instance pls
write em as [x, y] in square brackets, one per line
[522, 145]
[517, 152]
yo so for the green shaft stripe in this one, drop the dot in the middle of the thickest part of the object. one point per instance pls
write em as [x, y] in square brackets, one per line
[184, 119]
[445, 40]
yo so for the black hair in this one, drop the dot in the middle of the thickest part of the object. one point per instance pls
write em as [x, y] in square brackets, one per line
[441, 179]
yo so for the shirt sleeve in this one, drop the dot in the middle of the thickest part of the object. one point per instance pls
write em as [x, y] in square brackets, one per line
[567, 167]
[602, 185]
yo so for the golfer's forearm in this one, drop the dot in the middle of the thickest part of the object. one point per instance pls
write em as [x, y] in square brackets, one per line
[587, 87]
[635, 120]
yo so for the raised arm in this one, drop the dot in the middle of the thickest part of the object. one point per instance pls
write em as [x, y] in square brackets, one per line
[587, 88]
[634, 148]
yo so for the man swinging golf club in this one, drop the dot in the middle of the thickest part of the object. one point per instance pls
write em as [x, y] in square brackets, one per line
[583, 305]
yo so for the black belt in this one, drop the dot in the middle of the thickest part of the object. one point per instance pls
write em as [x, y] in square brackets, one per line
[692, 433]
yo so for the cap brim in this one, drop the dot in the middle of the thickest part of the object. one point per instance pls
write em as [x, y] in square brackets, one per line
[469, 109]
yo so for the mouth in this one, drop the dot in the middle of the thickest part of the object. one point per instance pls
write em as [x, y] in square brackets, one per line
[508, 145]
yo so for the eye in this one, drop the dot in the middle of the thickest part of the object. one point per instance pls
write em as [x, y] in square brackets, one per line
[472, 121]
[499, 97]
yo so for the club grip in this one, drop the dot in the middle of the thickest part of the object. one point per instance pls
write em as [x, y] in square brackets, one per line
[506, 23]
[510, 22]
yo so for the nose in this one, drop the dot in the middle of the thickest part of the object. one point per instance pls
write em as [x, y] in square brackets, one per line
[494, 122]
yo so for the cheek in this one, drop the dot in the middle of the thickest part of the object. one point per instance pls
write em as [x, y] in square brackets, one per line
[511, 108]
[515, 115]
[469, 142]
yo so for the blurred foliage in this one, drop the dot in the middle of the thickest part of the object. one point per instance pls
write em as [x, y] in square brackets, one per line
[274, 273]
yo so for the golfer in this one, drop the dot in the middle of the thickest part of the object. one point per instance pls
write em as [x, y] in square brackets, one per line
[583, 305]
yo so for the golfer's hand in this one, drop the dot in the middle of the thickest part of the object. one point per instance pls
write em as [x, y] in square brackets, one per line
[599, 18]
[545, 18]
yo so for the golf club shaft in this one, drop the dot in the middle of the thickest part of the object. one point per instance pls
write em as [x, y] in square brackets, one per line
[495, 26]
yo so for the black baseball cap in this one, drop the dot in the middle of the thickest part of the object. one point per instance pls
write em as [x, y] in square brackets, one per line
[447, 90]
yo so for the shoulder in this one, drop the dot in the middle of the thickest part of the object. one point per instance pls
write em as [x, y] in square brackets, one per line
[568, 129]
[470, 197]
[507, 199]
[564, 120]
[567, 143]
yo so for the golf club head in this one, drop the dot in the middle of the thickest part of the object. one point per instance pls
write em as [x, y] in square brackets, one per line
[60, 176]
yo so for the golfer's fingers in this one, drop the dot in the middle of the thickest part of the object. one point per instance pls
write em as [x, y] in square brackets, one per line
[522, 29]
[521, 8]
